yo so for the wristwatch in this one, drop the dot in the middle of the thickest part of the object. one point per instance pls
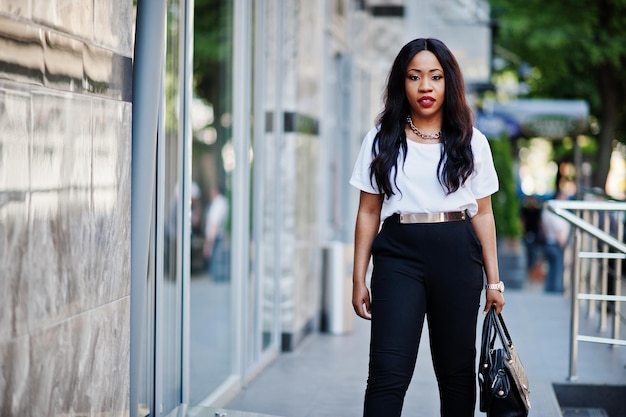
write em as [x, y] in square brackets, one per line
[499, 286]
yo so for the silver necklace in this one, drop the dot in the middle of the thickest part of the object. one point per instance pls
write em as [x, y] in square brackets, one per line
[429, 136]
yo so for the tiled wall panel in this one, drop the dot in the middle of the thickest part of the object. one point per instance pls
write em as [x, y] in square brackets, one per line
[17, 8]
[65, 146]
[69, 16]
[15, 116]
[77, 367]
[110, 265]
[113, 23]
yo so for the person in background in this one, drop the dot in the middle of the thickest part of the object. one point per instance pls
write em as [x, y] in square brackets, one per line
[428, 175]
[197, 230]
[533, 237]
[215, 225]
[556, 231]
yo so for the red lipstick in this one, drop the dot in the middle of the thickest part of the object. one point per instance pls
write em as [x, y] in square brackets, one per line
[426, 101]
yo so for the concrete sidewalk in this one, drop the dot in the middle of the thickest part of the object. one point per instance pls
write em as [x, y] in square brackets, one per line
[325, 376]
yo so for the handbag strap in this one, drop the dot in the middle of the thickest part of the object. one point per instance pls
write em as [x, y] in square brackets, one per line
[488, 334]
[494, 326]
[506, 331]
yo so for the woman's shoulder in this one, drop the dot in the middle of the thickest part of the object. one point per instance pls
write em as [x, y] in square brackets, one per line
[478, 136]
[479, 139]
[371, 134]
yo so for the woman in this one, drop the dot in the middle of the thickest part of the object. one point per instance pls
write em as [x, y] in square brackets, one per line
[428, 175]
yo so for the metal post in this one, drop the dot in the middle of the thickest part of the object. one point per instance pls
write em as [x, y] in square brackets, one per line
[617, 305]
[186, 144]
[258, 177]
[573, 355]
[605, 273]
[591, 283]
[578, 164]
[241, 179]
[148, 61]
[279, 139]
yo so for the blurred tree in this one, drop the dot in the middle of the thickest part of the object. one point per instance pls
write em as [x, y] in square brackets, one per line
[576, 50]
[506, 204]
[212, 60]
[212, 82]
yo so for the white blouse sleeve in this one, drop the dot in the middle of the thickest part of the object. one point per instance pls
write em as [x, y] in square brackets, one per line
[485, 178]
[361, 172]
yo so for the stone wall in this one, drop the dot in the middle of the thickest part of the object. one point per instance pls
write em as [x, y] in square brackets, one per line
[65, 163]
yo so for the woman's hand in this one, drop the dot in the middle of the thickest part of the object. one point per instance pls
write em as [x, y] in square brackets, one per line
[361, 301]
[494, 298]
[367, 224]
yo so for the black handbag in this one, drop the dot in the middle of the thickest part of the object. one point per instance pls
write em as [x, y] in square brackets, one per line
[502, 378]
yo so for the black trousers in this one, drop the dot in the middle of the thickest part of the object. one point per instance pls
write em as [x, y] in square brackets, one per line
[432, 270]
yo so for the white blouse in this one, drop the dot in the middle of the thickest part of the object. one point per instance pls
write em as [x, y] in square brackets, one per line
[418, 189]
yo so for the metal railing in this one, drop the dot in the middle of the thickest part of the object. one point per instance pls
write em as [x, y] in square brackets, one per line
[596, 271]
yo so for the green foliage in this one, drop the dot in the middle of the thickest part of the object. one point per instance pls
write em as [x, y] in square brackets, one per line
[212, 51]
[567, 41]
[576, 49]
[564, 150]
[506, 204]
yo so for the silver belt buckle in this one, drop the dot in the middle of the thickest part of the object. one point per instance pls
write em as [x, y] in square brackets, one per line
[431, 217]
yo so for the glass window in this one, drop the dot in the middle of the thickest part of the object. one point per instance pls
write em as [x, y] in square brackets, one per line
[211, 320]
[266, 169]
[169, 288]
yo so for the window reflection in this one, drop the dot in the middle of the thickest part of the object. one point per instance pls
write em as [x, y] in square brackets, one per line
[168, 181]
[211, 320]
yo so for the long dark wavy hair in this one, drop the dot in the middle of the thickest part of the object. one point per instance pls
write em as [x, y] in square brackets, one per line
[457, 162]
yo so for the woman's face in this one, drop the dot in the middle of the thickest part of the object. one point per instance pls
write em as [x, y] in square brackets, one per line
[424, 85]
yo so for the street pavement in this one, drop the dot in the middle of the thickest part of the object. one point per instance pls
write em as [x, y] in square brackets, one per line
[325, 375]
